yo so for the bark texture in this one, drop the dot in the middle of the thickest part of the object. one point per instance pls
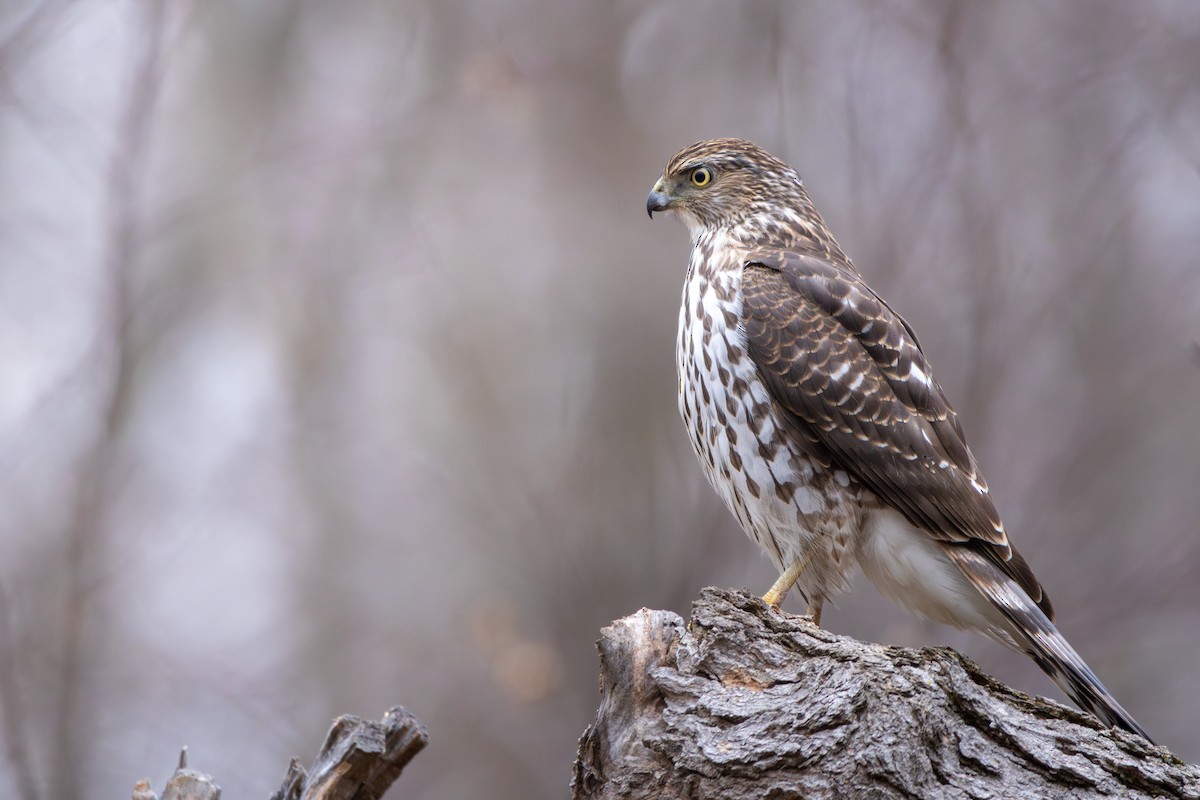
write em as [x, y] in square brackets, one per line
[359, 761]
[746, 702]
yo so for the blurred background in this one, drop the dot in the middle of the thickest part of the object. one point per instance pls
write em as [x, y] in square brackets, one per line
[338, 352]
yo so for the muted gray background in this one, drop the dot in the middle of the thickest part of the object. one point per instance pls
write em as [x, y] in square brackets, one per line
[338, 362]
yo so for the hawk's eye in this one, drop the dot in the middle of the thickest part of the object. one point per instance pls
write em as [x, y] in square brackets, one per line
[701, 176]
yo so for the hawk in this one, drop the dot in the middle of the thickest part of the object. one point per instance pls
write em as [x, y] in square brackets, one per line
[817, 419]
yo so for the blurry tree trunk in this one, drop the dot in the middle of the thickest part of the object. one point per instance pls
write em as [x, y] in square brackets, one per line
[359, 761]
[115, 352]
[745, 702]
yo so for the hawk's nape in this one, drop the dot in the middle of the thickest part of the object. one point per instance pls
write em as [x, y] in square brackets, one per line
[816, 417]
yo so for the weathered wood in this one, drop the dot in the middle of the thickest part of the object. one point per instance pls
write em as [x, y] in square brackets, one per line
[185, 784]
[746, 702]
[359, 761]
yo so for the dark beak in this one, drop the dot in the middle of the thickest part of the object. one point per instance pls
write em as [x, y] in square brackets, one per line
[657, 201]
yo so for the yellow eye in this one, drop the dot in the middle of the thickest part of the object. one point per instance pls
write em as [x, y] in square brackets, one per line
[701, 176]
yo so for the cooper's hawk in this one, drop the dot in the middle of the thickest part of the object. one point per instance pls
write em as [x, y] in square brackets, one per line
[818, 420]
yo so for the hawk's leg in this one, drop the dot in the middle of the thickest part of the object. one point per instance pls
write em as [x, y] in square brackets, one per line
[787, 580]
[814, 610]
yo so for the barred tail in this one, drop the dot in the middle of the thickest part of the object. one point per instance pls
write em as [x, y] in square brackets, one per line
[1035, 634]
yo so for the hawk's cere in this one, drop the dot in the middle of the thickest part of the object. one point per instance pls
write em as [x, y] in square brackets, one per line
[818, 420]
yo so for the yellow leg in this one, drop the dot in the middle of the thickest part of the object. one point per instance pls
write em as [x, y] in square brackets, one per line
[787, 580]
[814, 611]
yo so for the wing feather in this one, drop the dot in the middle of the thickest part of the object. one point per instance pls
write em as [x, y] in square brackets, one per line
[850, 370]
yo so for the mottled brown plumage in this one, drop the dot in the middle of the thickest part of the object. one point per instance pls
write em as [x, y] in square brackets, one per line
[817, 419]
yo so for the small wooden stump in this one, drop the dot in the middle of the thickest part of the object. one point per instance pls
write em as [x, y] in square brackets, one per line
[359, 761]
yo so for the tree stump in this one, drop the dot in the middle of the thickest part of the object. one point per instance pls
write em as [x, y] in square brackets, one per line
[747, 702]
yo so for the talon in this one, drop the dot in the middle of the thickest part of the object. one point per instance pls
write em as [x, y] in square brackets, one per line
[773, 601]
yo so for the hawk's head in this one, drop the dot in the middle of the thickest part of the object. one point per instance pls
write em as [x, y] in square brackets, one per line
[726, 182]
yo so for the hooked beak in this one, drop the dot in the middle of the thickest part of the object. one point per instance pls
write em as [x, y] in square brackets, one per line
[658, 200]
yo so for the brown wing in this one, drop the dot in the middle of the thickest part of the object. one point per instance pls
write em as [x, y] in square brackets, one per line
[836, 356]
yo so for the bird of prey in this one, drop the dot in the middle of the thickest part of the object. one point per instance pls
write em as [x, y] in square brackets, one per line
[818, 421]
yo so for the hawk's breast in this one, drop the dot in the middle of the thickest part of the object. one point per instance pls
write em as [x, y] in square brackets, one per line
[782, 498]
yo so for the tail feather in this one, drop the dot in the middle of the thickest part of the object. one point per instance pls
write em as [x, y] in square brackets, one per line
[1034, 633]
